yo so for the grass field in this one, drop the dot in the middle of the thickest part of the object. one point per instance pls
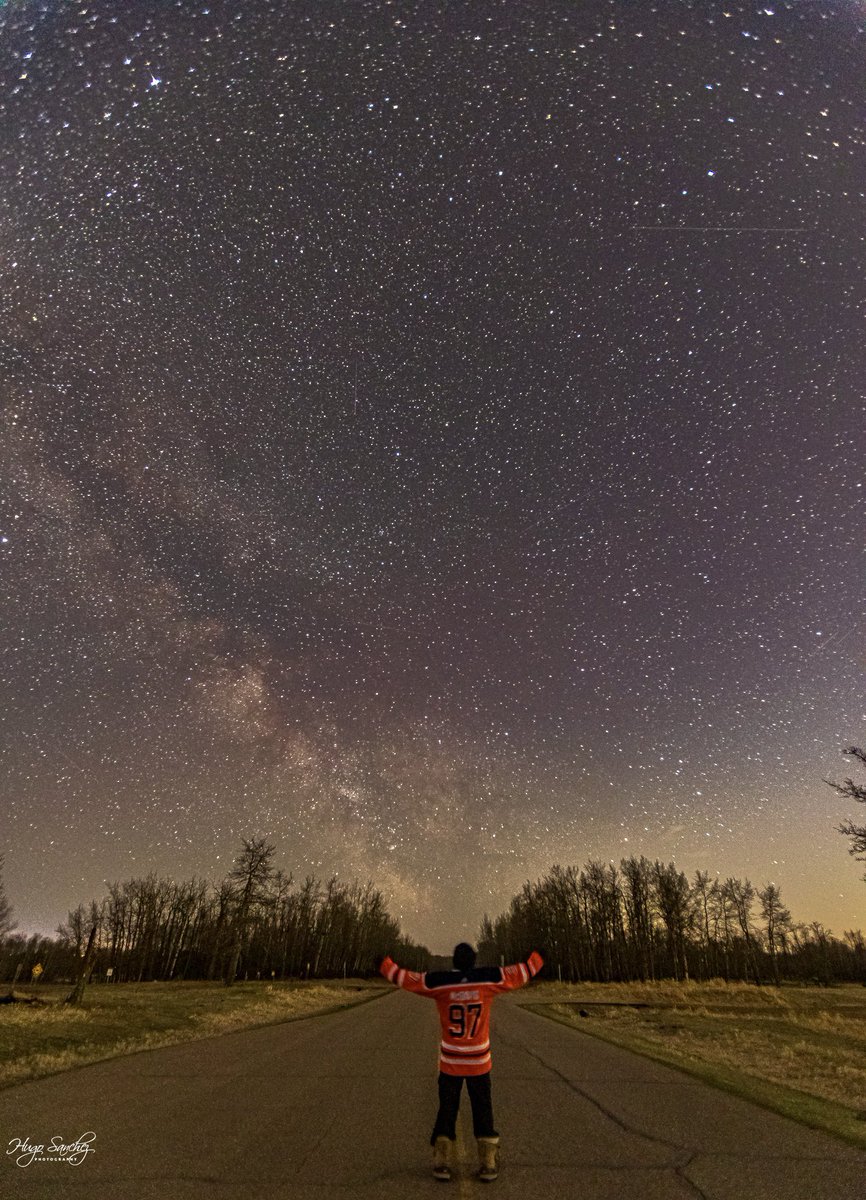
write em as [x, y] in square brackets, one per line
[122, 1018]
[798, 1051]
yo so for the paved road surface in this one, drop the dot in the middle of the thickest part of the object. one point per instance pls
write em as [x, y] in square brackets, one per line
[341, 1106]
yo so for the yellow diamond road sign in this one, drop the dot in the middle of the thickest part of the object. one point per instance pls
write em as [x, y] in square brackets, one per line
[37, 970]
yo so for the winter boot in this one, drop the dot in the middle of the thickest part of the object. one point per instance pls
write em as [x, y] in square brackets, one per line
[488, 1157]
[442, 1159]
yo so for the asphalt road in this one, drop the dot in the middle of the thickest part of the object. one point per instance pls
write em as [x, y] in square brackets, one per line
[342, 1106]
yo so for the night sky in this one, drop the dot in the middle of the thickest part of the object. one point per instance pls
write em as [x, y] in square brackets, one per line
[432, 438]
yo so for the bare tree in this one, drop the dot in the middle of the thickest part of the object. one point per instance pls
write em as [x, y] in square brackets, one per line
[74, 932]
[741, 895]
[853, 791]
[777, 920]
[6, 922]
[84, 971]
[674, 900]
[637, 896]
[705, 892]
[567, 935]
[602, 900]
[222, 904]
[250, 875]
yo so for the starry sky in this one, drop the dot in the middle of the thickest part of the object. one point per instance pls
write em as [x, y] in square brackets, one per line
[431, 437]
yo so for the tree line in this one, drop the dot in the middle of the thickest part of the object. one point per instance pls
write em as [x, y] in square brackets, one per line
[641, 921]
[646, 921]
[254, 924]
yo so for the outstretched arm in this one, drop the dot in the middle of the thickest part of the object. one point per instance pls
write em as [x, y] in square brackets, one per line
[410, 981]
[516, 975]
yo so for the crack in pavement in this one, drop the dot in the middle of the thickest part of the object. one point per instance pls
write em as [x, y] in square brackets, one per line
[684, 1157]
[335, 1119]
[678, 1167]
[574, 1087]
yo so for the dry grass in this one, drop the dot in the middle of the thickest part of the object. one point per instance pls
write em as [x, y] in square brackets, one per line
[798, 1050]
[124, 1018]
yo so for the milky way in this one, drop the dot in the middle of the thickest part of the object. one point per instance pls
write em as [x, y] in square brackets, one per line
[431, 439]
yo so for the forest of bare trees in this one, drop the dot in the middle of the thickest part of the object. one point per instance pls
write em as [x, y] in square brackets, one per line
[646, 920]
[642, 920]
[255, 924]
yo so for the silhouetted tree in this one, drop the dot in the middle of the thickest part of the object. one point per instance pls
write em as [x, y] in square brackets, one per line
[637, 897]
[777, 920]
[222, 903]
[250, 875]
[85, 968]
[853, 791]
[75, 931]
[706, 899]
[741, 896]
[6, 922]
[674, 900]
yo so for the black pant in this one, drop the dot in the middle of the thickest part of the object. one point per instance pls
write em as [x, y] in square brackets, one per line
[478, 1087]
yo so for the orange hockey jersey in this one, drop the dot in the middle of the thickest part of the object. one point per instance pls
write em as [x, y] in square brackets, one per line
[463, 999]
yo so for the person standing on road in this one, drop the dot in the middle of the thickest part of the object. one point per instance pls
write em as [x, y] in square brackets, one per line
[463, 997]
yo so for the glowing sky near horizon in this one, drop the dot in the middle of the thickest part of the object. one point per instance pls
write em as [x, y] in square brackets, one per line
[432, 438]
